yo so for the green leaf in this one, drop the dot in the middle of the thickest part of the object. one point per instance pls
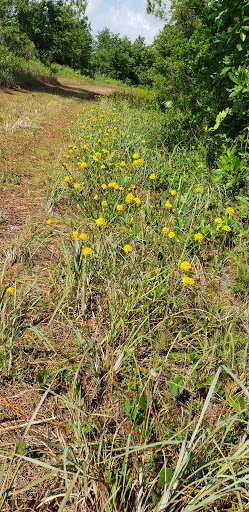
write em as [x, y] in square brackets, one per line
[136, 229]
[165, 477]
[22, 447]
[174, 387]
[147, 238]
[127, 405]
[108, 476]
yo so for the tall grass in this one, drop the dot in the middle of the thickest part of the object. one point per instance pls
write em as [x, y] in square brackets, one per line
[146, 278]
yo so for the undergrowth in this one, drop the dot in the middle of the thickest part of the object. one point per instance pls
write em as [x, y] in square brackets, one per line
[147, 288]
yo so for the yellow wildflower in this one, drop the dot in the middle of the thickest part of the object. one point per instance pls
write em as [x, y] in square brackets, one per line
[152, 176]
[129, 198]
[173, 192]
[198, 237]
[101, 222]
[49, 221]
[104, 186]
[75, 234]
[127, 248]
[10, 290]
[171, 234]
[188, 281]
[76, 186]
[96, 197]
[165, 229]
[198, 190]
[66, 179]
[87, 251]
[135, 156]
[168, 205]
[226, 228]
[120, 207]
[185, 265]
[122, 163]
[137, 201]
[229, 210]
[83, 237]
[83, 164]
[104, 203]
[218, 220]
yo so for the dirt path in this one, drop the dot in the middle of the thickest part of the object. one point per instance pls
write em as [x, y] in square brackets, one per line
[33, 124]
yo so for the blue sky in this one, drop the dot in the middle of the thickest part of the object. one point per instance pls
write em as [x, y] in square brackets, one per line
[127, 18]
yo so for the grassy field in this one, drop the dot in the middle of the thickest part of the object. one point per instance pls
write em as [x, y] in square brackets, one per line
[124, 312]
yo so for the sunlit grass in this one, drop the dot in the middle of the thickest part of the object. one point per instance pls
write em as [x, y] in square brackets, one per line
[148, 256]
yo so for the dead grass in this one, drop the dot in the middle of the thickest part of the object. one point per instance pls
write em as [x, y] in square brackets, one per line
[34, 124]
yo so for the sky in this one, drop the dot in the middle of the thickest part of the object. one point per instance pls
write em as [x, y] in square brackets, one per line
[124, 17]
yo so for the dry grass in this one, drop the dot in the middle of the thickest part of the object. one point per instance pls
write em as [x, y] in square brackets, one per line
[107, 423]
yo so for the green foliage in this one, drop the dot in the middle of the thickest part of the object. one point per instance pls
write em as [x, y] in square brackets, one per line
[57, 32]
[120, 59]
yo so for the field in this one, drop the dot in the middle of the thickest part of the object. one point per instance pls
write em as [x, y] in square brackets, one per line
[124, 311]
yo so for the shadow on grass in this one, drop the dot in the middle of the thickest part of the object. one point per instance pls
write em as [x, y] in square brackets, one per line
[50, 85]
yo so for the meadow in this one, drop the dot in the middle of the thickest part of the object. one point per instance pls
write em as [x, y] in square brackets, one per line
[130, 317]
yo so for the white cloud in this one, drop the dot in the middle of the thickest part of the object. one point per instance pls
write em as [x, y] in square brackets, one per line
[121, 18]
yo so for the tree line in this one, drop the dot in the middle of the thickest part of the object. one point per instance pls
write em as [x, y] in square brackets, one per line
[198, 65]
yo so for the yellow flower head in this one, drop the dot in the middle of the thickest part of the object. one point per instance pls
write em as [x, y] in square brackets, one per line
[101, 222]
[135, 156]
[102, 166]
[229, 210]
[10, 290]
[104, 186]
[96, 197]
[129, 198]
[152, 176]
[137, 201]
[104, 203]
[168, 205]
[127, 248]
[122, 163]
[75, 234]
[66, 179]
[165, 229]
[188, 281]
[171, 234]
[226, 228]
[218, 220]
[87, 251]
[76, 186]
[198, 237]
[173, 192]
[83, 237]
[49, 221]
[120, 207]
[83, 164]
[185, 265]
[198, 190]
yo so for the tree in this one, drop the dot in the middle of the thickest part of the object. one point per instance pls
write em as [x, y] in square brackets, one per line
[57, 31]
